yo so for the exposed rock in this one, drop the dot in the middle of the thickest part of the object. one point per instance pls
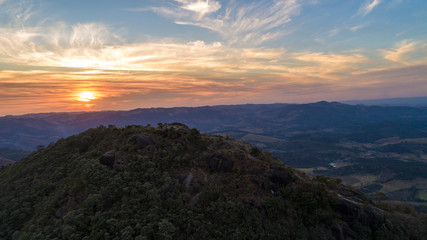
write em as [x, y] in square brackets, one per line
[240, 155]
[336, 231]
[220, 162]
[371, 217]
[151, 148]
[255, 171]
[226, 145]
[347, 209]
[180, 128]
[280, 175]
[108, 159]
[140, 140]
[187, 180]
[343, 232]
[353, 193]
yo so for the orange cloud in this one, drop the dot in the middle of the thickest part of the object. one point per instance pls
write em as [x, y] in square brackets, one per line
[407, 52]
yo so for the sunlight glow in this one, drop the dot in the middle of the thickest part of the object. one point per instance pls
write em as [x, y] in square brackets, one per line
[85, 96]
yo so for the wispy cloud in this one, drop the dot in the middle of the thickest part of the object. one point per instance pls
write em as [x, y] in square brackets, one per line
[368, 7]
[252, 23]
[396, 82]
[168, 72]
[92, 46]
[357, 27]
[333, 32]
[407, 52]
[45, 63]
[328, 66]
[200, 7]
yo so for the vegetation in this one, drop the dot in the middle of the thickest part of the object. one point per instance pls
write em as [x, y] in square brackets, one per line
[171, 182]
[370, 147]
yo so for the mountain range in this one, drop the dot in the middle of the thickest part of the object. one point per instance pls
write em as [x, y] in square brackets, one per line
[374, 148]
[275, 120]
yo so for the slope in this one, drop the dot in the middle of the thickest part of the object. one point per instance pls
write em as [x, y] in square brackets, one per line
[171, 182]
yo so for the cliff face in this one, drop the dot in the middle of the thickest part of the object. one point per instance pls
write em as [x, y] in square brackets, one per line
[171, 182]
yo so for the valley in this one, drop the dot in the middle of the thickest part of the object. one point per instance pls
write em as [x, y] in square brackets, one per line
[377, 149]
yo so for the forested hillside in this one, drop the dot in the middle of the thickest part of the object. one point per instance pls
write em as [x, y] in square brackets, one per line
[171, 182]
[376, 149]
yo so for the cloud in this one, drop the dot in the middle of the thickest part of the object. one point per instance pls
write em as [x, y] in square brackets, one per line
[333, 32]
[407, 52]
[17, 12]
[164, 72]
[357, 27]
[199, 6]
[93, 35]
[94, 46]
[327, 66]
[405, 81]
[46, 64]
[368, 7]
[252, 23]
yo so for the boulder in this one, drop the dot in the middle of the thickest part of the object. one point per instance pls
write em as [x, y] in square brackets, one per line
[220, 162]
[108, 158]
[280, 175]
[140, 140]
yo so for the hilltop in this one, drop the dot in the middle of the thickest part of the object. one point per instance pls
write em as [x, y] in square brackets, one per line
[171, 182]
[377, 149]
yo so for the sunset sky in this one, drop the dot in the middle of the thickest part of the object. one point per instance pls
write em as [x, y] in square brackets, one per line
[62, 55]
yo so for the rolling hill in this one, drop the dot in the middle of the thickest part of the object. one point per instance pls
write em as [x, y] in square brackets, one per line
[374, 148]
[171, 182]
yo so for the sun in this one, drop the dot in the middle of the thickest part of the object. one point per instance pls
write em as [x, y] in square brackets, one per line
[85, 96]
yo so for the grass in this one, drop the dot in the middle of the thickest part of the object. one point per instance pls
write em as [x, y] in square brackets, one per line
[422, 195]
[396, 185]
[362, 180]
[312, 169]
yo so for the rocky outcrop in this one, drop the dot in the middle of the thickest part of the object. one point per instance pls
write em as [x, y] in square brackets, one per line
[220, 162]
[342, 232]
[280, 176]
[141, 140]
[347, 209]
[108, 158]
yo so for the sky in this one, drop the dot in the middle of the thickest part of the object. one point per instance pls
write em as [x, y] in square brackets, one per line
[60, 55]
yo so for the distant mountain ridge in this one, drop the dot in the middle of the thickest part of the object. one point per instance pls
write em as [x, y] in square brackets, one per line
[407, 102]
[369, 147]
[5, 161]
[277, 120]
